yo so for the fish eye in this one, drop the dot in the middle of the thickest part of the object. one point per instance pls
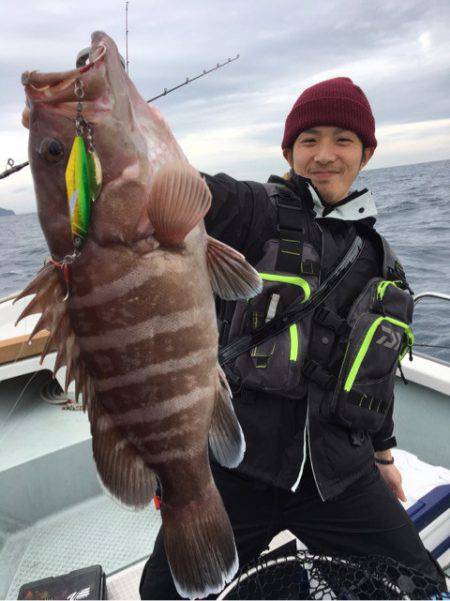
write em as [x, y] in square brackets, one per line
[51, 150]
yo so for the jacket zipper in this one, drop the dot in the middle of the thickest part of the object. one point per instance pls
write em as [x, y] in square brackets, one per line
[368, 337]
[310, 455]
[302, 466]
[306, 437]
[306, 446]
[339, 381]
[322, 248]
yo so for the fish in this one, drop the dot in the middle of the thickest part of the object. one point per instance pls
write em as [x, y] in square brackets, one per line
[128, 299]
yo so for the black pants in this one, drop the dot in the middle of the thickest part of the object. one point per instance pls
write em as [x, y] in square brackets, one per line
[366, 519]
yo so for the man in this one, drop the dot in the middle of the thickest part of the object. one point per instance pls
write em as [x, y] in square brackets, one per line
[308, 467]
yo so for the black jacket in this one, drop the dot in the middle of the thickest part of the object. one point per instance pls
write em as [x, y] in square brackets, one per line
[243, 216]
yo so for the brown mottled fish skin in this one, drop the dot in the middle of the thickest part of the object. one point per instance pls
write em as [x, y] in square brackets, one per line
[138, 332]
[146, 327]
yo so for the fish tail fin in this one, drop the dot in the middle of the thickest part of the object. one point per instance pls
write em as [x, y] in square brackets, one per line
[226, 438]
[199, 543]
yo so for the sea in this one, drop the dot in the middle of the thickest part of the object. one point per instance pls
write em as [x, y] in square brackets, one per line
[413, 203]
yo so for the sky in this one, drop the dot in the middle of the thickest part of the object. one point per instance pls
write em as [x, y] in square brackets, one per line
[232, 120]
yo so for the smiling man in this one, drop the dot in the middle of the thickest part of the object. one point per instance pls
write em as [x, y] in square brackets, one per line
[315, 401]
[331, 157]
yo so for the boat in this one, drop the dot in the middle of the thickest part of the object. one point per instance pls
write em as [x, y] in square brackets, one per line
[55, 517]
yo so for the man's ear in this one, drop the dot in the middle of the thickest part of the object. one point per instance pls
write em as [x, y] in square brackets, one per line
[287, 153]
[367, 155]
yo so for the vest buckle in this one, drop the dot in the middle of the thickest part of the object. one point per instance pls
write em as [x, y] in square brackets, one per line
[329, 319]
[319, 375]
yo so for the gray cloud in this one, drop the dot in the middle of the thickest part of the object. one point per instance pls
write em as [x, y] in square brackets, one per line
[399, 52]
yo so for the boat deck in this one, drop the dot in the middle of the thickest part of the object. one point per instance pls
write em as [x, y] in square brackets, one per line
[30, 427]
[55, 518]
[97, 531]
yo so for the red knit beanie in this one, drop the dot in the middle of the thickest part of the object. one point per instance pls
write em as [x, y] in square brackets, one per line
[335, 102]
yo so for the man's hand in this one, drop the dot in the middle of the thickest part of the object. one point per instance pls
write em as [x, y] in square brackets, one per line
[391, 475]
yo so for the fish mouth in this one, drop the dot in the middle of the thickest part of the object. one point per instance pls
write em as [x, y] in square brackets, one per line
[60, 86]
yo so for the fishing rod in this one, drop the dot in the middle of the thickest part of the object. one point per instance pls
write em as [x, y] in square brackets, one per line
[13, 168]
[127, 62]
[191, 79]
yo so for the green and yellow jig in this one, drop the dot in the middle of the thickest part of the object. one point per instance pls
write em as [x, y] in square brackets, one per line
[83, 176]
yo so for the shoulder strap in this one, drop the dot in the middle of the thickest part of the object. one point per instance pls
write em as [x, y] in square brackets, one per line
[392, 269]
[291, 230]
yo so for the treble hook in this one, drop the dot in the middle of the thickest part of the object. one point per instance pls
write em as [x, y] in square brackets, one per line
[64, 265]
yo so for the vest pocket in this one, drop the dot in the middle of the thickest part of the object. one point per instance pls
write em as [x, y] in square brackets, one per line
[274, 365]
[377, 342]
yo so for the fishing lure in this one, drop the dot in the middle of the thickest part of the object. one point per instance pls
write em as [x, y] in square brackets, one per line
[83, 183]
[83, 176]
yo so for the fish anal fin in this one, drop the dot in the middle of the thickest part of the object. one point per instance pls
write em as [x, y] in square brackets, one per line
[232, 277]
[226, 438]
[179, 199]
[121, 468]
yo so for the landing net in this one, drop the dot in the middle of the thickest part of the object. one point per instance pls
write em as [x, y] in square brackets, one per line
[308, 576]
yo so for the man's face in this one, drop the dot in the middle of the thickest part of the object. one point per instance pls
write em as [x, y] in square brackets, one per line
[330, 157]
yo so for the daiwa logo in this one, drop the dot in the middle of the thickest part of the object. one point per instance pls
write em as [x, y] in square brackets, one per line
[390, 339]
[83, 594]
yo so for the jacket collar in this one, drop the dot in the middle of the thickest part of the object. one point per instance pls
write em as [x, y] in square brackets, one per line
[356, 207]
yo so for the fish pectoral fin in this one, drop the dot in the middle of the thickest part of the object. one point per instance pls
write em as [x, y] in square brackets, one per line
[122, 470]
[232, 278]
[226, 438]
[179, 199]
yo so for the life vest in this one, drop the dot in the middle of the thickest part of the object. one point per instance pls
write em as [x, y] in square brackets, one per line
[373, 336]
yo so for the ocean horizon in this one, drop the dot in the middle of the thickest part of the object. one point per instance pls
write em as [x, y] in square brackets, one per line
[414, 215]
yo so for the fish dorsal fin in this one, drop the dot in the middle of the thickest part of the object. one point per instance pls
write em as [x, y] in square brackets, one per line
[49, 290]
[231, 276]
[179, 199]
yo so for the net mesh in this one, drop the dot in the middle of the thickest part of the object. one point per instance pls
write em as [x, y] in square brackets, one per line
[304, 575]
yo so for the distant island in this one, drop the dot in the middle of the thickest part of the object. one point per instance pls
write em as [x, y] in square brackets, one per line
[4, 212]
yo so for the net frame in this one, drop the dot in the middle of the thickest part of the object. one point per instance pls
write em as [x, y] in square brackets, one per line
[321, 572]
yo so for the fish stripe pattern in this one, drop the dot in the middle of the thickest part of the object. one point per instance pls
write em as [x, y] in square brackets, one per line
[164, 409]
[154, 326]
[131, 311]
[144, 374]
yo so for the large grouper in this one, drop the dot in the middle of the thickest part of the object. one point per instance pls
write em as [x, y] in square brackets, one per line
[129, 304]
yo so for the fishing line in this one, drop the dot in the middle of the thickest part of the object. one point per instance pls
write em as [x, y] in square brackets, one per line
[24, 343]
[14, 407]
